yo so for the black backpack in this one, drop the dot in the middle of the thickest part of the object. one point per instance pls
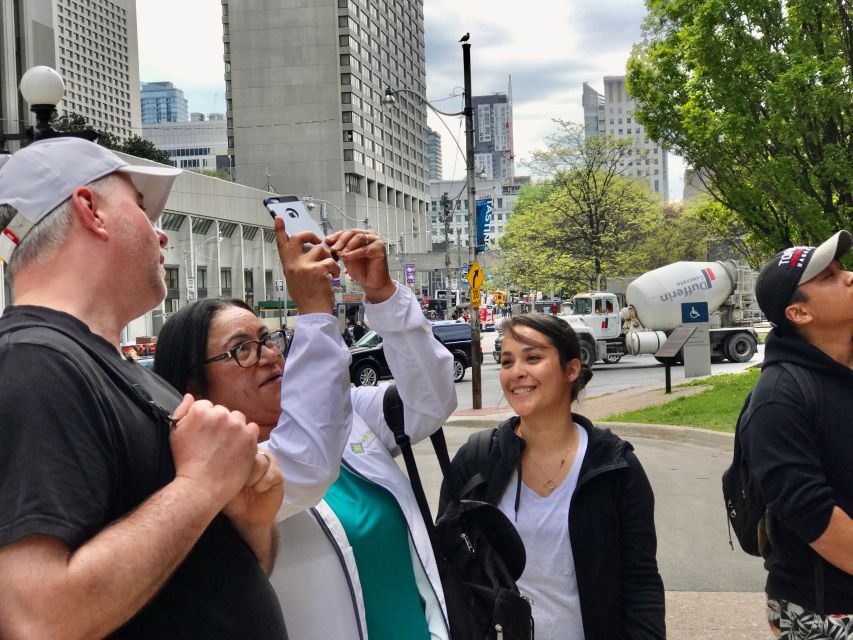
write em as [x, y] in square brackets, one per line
[746, 509]
[479, 553]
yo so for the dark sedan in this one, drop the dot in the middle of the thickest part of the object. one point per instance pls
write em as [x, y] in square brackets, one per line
[368, 365]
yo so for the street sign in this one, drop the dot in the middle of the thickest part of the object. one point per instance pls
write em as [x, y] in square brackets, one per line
[476, 276]
[694, 312]
[279, 285]
[475, 298]
[674, 343]
[191, 292]
[410, 274]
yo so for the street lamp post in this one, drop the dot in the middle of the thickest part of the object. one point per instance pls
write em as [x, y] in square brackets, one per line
[476, 379]
[468, 112]
[445, 206]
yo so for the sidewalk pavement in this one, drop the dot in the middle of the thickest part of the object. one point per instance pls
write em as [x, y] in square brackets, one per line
[690, 615]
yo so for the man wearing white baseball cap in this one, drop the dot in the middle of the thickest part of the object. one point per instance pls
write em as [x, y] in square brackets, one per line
[124, 511]
[797, 440]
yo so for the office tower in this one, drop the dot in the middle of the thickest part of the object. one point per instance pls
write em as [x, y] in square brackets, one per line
[163, 102]
[91, 43]
[648, 161]
[493, 149]
[593, 110]
[201, 143]
[304, 90]
[433, 149]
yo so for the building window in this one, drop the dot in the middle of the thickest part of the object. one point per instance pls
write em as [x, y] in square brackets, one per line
[352, 183]
[172, 278]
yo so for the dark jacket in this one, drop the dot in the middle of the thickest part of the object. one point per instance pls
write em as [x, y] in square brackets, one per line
[611, 527]
[798, 443]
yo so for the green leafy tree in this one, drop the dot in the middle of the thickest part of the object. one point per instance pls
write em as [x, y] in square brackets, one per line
[587, 217]
[757, 94]
[134, 145]
[675, 233]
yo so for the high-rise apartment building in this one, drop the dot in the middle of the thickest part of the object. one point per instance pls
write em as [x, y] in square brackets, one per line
[304, 90]
[493, 149]
[163, 102]
[433, 153]
[612, 114]
[91, 43]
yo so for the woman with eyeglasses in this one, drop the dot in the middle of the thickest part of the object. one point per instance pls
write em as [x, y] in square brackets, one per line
[359, 563]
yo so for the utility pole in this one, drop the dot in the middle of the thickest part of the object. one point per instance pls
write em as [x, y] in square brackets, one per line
[445, 207]
[402, 252]
[476, 380]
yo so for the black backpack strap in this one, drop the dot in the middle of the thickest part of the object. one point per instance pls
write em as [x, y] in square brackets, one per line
[807, 384]
[58, 338]
[393, 410]
[477, 451]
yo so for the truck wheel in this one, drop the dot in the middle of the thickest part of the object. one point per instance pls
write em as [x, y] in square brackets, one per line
[587, 352]
[740, 347]
[613, 358]
[366, 376]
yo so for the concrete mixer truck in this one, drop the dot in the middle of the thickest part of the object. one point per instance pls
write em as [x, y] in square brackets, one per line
[653, 310]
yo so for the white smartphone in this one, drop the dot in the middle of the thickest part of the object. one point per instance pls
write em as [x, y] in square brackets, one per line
[296, 217]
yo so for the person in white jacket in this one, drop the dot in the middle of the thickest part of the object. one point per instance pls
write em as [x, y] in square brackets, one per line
[355, 560]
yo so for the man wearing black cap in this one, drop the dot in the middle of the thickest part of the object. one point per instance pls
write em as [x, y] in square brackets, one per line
[124, 512]
[798, 440]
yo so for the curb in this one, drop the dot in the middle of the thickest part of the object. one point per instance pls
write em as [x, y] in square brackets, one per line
[672, 433]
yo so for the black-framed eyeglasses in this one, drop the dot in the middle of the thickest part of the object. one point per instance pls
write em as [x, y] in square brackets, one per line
[247, 354]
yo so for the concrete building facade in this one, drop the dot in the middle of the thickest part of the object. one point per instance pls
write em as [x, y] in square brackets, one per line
[163, 102]
[304, 89]
[198, 144]
[648, 162]
[502, 194]
[93, 46]
[433, 152]
[493, 148]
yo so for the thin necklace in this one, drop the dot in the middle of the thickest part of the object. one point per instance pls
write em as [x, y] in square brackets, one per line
[549, 485]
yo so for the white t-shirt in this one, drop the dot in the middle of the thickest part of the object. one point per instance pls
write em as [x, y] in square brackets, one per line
[549, 577]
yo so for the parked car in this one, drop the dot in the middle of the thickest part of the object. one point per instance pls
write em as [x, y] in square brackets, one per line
[368, 365]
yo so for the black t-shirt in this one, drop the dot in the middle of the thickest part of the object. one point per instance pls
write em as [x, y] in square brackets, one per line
[77, 452]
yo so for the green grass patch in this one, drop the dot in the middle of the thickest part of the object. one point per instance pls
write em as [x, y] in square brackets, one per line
[716, 409]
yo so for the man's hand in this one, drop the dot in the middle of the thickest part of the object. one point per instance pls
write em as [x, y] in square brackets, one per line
[258, 502]
[213, 447]
[363, 253]
[308, 274]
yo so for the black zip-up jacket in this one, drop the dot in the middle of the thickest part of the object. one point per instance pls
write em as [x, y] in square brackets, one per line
[611, 527]
[799, 445]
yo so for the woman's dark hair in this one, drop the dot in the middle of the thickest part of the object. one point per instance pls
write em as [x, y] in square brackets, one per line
[182, 344]
[560, 334]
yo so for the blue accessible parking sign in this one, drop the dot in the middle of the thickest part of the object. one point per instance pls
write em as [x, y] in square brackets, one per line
[694, 312]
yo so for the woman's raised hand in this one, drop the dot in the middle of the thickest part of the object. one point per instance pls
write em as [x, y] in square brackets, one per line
[364, 255]
[308, 273]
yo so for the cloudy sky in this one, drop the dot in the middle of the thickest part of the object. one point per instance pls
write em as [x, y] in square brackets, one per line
[549, 47]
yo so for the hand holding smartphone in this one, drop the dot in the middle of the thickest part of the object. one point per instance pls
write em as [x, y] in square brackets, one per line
[296, 217]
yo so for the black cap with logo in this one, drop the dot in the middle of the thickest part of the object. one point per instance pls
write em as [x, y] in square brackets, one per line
[792, 267]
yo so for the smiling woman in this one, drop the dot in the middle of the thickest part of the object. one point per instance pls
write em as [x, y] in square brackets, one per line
[577, 494]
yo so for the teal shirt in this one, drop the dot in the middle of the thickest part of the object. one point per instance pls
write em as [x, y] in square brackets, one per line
[379, 537]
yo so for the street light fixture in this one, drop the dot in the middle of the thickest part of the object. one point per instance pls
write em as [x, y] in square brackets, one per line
[311, 203]
[42, 87]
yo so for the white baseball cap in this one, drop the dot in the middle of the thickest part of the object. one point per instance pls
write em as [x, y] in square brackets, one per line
[41, 176]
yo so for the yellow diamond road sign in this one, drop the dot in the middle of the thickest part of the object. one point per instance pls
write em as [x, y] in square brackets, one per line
[476, 276]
